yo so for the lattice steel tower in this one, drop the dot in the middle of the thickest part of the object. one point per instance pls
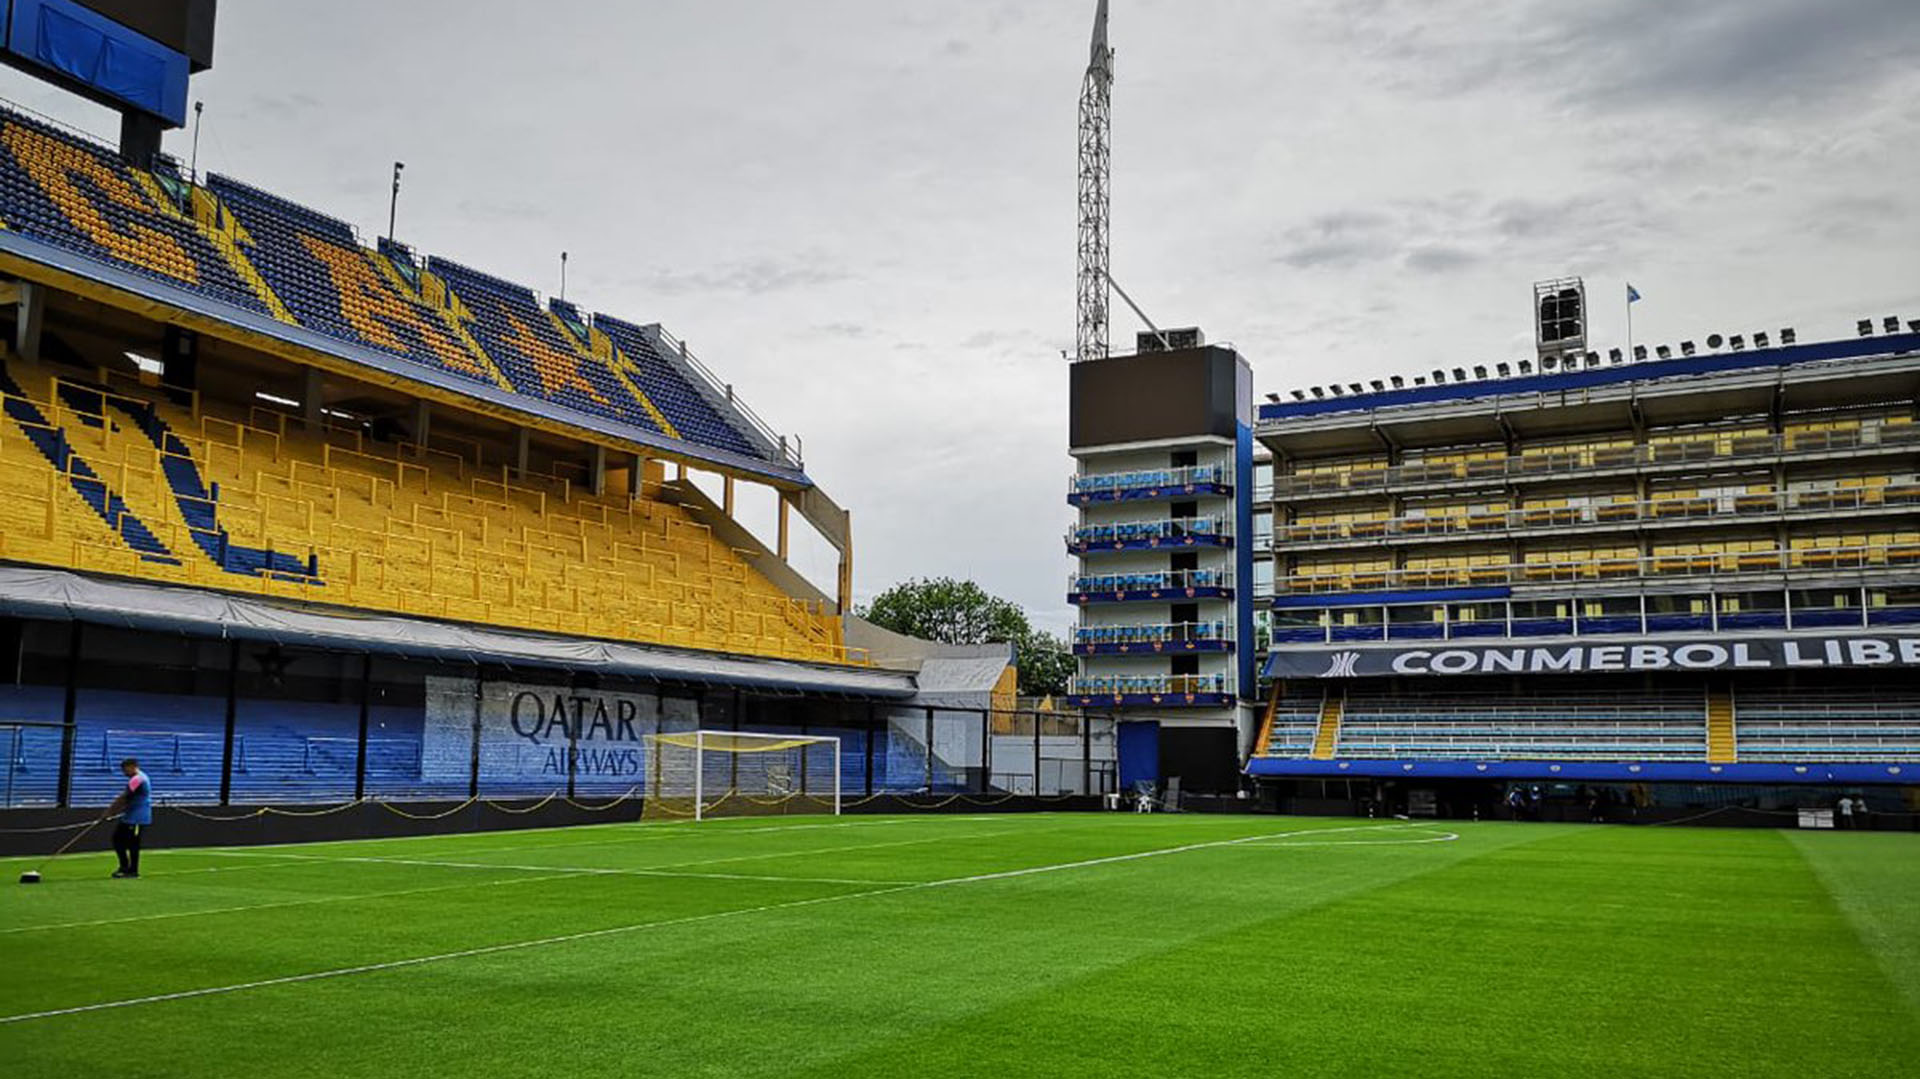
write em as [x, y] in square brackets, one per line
[1096, 113]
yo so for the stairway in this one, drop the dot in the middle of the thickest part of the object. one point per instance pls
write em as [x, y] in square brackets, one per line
[1327, 737]
[1721, 747]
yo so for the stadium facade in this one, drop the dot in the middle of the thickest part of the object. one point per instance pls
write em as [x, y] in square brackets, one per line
[1695, 568]
[1163, 445]
[297, 518]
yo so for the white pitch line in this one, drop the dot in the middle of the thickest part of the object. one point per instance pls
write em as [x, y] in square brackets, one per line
[601, 871]
[621, 930]
[311, 901]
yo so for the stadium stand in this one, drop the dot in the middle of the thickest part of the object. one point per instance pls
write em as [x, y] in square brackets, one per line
[339, 517]
[239, 245]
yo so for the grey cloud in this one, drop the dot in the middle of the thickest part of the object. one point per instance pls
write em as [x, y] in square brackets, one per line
[757, 277]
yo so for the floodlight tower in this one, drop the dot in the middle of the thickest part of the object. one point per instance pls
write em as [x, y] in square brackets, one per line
[1096, 113]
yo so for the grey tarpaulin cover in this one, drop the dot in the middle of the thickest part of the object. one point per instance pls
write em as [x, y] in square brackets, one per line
[61, 594]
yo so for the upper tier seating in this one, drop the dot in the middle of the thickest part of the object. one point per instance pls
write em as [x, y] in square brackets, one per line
[240, 246]
[122, 481]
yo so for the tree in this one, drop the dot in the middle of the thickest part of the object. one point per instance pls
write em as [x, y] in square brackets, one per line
[1046, 665]
[949, 611]
[961, 612]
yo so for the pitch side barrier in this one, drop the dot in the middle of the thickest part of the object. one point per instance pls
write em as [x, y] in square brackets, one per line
[35, 831]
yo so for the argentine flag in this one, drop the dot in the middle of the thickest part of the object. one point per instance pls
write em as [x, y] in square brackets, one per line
[1633, 294]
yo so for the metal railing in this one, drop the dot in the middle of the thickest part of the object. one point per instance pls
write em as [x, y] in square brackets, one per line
[1149, 582]
[1718, 506]
[1149, 478]
[1706, 564]
[721, 393]
[1629, 623]
[1575, 461]
[1215, 527]
[1127, 685]
[1156, 633]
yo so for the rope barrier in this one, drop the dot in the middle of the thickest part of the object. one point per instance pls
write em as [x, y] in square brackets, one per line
[48, 828]
[398, 812]
[618, 801]
[534, 808]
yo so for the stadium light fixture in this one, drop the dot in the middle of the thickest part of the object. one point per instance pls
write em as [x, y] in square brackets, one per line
[1356, 388]
[1613, 355]
[393, 201]
[1337, 391]
[1639, 353]
[1378, 386]
[1299, 395]
[1663, 352]
[1318, 393]
[1479, 370]
[1526, 367]
[1714, 341]
[1891, 324]
[1913, 325]
[1459, 374]
[1504, 370]
[1398, 382]
[1439, 377]
[1547, 363]
[274, 399]
[1787, 336]
[1761, 340]
[1419, 380]
[1865, 326]
[1737, 342]
[1686, 348]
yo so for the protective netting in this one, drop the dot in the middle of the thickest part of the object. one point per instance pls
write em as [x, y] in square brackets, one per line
[705, 774]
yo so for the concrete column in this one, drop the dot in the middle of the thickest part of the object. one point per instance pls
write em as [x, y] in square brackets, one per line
[522, 449]
[32, 304]
[599, 470]
[726, 494]
[636, 480]
[785, 506]
[314, 399]
[422, 427]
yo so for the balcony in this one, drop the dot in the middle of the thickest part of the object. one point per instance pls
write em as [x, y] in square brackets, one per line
[1630, 624]
[1174, 533]
[1171, 638]
[1744, 449]
[1083, 589]
[1173, 690]
[1607, 516]
[1710, 564]
[1146, 485]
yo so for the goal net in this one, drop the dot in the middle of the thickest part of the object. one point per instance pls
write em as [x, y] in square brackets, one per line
[704, 774]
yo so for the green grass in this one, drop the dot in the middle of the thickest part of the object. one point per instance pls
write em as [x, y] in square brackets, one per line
[860, 946]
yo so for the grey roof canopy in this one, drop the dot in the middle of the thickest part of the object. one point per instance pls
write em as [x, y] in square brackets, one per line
[62, 594]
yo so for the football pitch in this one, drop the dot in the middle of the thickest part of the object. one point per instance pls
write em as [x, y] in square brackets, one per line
[1044, 944]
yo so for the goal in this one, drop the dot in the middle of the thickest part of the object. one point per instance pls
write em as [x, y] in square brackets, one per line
[704, 774]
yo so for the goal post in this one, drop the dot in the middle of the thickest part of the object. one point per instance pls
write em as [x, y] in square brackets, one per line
[703, 774]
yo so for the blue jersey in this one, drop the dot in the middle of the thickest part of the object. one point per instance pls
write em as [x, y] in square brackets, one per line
[139, 799]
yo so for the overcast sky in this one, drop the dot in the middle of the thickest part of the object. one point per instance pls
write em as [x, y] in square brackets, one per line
[861, 212]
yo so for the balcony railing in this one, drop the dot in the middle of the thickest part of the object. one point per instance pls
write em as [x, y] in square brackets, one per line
[1662, 565]
[1161, 633]
[1147, 582]
[1139, 685]
[1574, 462]
[1145, 479]
[1178, 531]
[1722, 506]
[1632, 624]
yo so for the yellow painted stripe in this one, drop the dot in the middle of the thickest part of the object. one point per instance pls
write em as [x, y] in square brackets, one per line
[208, 215]
[450, 317]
